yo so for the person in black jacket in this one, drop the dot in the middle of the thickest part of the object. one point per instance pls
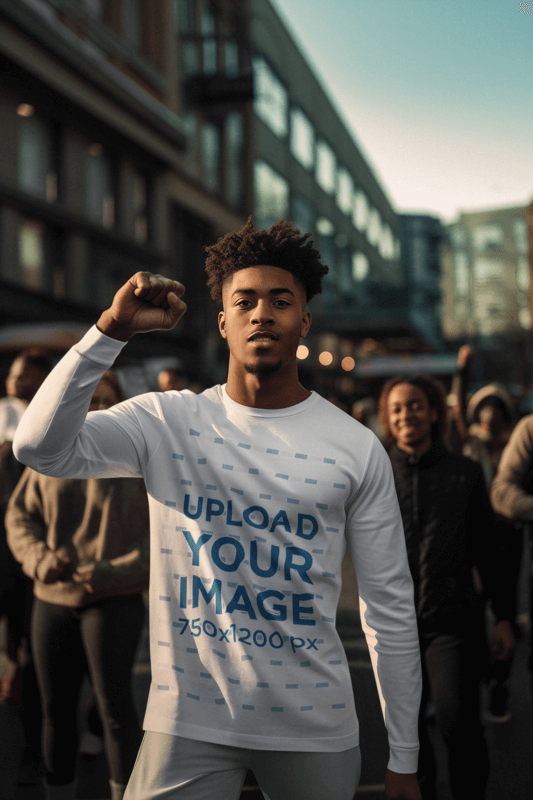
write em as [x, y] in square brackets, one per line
[451, 536]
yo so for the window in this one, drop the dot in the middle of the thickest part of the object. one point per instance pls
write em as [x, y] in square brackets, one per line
[345, 191]
[360, 267]
[325, 227]
[209, 43]
[271, 98]
[522, 274]
[93, 7]
[374, 226]
[520, 235]
[487, 237]
[325, 167]
[302, 138]
[386, 243]
[100, 200]
[132, 23]
[486, 269]
[234, 135]
[184, 15]
[360, 211]
[231, 58]
[302, 215]
[458, 236]
[524, 317]
[461, 273]
[210, 154]
[271, 195]
[36, 170]
[32, 254]
[140, 208]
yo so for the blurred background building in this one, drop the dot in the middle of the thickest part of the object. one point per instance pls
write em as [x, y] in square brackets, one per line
[134, 133]
[486, 292]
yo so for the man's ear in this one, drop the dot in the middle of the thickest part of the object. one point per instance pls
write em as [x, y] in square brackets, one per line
[222, 324]
[306, 323]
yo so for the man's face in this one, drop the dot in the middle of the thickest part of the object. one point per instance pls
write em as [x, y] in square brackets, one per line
[410, 417]
[24, 379]
[263, 319]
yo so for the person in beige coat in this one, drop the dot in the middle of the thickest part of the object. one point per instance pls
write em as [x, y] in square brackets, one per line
[85, 544]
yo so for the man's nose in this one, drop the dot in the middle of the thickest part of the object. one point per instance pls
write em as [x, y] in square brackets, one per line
[262, 312]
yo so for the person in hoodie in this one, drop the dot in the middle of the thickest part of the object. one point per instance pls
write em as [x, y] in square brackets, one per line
[486, 421]
[450, 528]
[85, 544]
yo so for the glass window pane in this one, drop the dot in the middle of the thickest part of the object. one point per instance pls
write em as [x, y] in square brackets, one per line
[520, 235]
[302, 138]
[131, 23]
[31, 253]
[271, 195]
[210, 149]
[189, 59]
[461, 273]
[100, 202]
[271, 98]
[485, 269]
[360, 266]
[184, 15]
[234, 126]
[231, 58]
[522, 273]
[302, 215]
[360, 211]
[345, 191]
[325, 167]
[35, 166]
[487, 237]
[374, 226]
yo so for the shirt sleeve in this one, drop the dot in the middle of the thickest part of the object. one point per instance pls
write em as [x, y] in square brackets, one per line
[377, 545]
[507, 495]
[57, 436]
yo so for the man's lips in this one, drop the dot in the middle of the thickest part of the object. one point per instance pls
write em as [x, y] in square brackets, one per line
[263, 336]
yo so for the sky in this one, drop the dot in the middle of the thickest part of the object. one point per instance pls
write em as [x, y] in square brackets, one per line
[439, 94]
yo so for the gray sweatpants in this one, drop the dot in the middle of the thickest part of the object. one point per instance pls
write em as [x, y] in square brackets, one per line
[172, 768]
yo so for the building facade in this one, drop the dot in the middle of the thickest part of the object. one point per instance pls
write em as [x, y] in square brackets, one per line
[307, 167]
[421, 260]
[125, 133]
[486, 290]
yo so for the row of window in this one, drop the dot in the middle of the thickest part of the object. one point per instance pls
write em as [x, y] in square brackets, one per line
[271, 105]
[273, 202]
[209, 44]
[487, 270]
[490, 236]
[40, 166]
[215, 153]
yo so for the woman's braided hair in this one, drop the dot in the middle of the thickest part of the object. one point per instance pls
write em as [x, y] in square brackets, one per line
[282, 246]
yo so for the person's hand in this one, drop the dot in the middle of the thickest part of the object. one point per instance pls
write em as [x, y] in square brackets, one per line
[399, 786]
[145, 303]
[53, 569]
[503, 642]
[465, 355]
[84, 575]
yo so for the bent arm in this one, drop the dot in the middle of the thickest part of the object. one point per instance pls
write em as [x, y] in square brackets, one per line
[56, 436]
[377, 545]
[507, 495]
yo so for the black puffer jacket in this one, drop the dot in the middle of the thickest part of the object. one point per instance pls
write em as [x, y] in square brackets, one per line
[450, 527]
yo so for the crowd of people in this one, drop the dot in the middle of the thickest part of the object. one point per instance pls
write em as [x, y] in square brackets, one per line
[76, 548]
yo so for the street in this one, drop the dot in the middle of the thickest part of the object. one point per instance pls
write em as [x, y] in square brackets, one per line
[510, 744]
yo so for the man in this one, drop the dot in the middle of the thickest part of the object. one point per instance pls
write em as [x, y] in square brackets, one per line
[255, 488]
[450, 528]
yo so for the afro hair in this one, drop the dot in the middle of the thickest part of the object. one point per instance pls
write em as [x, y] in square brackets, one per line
[282, 246]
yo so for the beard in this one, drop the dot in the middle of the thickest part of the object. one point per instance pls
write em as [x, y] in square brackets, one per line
[263, 370]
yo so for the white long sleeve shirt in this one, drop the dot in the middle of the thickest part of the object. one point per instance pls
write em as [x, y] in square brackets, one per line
[251, 511]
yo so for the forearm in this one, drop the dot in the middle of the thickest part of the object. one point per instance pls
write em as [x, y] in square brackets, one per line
[49, 431]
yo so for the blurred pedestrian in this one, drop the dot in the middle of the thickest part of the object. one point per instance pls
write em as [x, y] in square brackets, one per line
[19, 685]
[365, 412]
[486, 421]
[512, 488]
[171, 379]
[85, 544]
[450, 528]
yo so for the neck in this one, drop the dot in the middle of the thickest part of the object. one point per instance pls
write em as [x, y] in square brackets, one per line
[415, 449]
[274, 391]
